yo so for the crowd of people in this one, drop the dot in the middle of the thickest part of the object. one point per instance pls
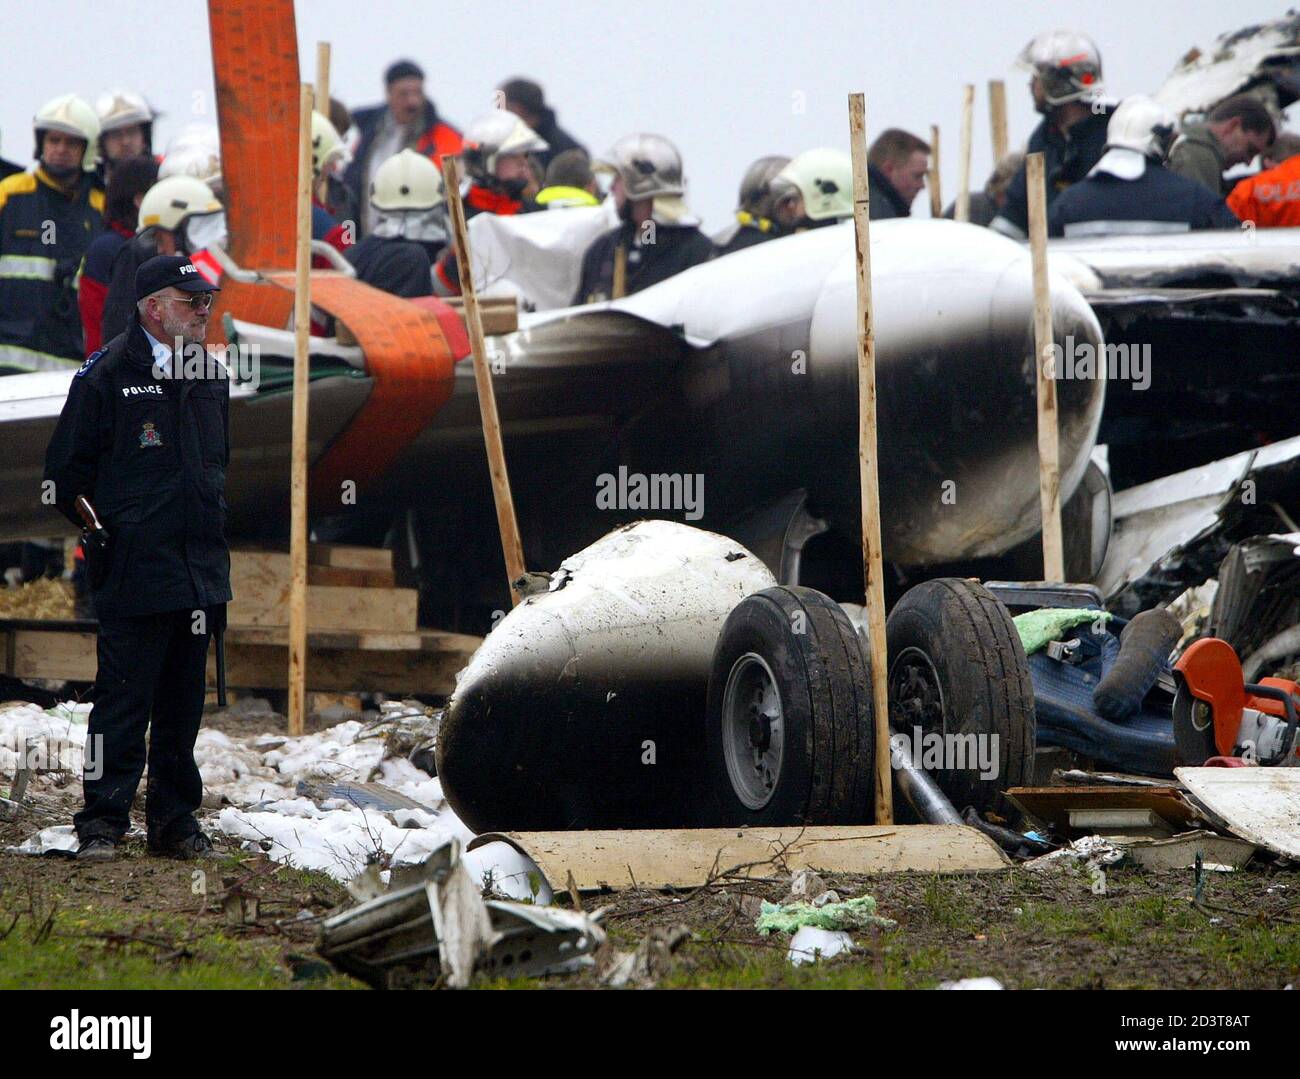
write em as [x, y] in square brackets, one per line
[100, 200]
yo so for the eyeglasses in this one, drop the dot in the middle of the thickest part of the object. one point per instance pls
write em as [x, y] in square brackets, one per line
[200, 301]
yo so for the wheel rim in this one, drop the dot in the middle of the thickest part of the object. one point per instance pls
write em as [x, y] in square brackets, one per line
[753, 730]
[915, 695]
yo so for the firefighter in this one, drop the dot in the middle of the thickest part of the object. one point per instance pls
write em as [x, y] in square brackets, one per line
[658, 236]
[127, 187]
[179, 215]
[1065, 81]
[329, 209]
[1130, 191]
[125, 128]
[814, 190]
[755, 207]
[500, 158]
[406, 120]
[195, 152]
[410, 227]
[503, 179]
[48, 219]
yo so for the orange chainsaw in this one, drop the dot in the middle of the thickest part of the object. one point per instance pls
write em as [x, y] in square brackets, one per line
[1220, 718]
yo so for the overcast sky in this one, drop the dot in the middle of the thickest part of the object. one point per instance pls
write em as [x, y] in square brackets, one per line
[728, 82]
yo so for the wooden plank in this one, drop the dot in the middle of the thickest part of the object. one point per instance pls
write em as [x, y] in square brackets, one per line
[349, 557]
[683, 858]
[1052, 805]
[257, 659]
[342, 670]
[425, 640]
[55, 655]
[500, 314]
[257, 567]
[262, 599]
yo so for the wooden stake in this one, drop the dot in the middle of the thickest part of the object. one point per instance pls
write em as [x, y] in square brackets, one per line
[298, 476]
[1049, 449]
[619, 287]
[998, 118]
[868, 462]
[511, 545]
[936, 197]
[962, 211]
[323, 78]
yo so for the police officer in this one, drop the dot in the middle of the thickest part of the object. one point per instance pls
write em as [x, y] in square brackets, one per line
[144, 436]
[48, 219]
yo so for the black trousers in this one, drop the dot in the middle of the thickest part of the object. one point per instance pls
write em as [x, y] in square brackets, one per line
[151, 667]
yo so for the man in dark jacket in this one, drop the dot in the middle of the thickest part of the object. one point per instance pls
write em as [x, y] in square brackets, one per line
[1065, 82]
[658, 236]
[406, 121]
[129, 183]
[524, 98]
[144, 436]
[1130, 191]
[897, 164]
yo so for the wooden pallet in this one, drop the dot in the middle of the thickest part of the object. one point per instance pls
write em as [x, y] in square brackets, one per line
[362, 632]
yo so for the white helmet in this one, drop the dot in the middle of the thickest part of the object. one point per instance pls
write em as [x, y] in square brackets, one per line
[494, 135]
[1067, 63]
[171, 201]
[196, 155]
[1138, 130]
[327, 149]
[196, 134]
[1143, 124]
[123, 108]
[406, 181]
[824, 177]
[650, 166]
[72, 116]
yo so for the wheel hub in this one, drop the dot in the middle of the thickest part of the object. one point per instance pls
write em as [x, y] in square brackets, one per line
[753, 730]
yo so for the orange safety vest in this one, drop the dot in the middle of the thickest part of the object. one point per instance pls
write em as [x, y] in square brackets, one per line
[1271, 198]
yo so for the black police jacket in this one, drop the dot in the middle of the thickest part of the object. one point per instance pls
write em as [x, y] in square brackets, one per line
[151, 454]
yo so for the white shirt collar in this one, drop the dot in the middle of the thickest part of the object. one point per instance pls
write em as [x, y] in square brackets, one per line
[162, 355]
